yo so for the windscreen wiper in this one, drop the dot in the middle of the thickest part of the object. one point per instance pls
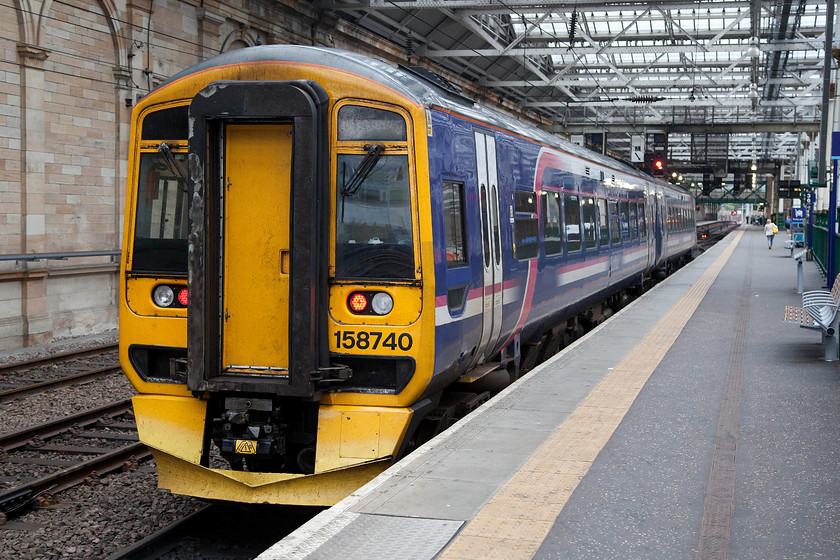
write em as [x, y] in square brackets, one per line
[172, 165]
[365, 167]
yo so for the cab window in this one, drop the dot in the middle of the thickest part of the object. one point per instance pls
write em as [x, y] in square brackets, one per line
[374, 225]
[161, 219]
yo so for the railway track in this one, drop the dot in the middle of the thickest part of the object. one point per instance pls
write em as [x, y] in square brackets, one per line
[39, 461]
[61, 370]
[220, 531]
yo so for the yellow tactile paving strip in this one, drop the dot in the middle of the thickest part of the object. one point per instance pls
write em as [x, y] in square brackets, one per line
[517, 519]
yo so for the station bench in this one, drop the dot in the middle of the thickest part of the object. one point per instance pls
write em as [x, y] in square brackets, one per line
[819, 312]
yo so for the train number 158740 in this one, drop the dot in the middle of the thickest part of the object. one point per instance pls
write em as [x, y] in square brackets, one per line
[369, 340]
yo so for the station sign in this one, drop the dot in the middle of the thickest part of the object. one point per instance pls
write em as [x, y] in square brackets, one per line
[797, 214]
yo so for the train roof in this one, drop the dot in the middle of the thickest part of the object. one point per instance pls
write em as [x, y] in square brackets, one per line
[418, 84]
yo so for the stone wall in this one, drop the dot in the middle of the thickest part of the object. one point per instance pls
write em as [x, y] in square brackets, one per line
[70, 74]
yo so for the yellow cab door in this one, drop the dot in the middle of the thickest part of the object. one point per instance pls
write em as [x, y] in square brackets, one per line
[256, 248]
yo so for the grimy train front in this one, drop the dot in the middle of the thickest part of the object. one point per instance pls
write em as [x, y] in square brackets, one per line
[272, 318]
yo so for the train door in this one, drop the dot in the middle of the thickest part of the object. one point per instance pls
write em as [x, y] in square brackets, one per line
[256, 250]
[650, 232]
[488, 193]
[259, 223]
[660, 232]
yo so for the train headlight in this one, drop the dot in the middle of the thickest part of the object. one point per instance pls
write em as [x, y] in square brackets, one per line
[370, 303]
[382, 303]
[163, 296]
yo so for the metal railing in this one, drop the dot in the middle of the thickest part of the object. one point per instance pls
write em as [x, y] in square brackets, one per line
[819, 244]
[60, 256]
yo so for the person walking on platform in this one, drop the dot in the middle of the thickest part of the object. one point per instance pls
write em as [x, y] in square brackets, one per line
[770, 230]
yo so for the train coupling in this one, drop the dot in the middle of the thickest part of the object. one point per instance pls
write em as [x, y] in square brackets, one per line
[249, 428]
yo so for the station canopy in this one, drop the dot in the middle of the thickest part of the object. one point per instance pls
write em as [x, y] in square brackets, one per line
[723, 81]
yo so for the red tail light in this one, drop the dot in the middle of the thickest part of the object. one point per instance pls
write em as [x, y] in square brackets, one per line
[184, 297]
[357, 302]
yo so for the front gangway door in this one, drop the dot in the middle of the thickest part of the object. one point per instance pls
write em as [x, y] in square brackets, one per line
[256, 249]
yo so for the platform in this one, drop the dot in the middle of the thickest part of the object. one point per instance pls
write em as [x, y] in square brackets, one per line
[693, 424]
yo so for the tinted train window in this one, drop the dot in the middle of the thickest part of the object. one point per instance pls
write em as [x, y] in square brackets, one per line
[615, 230]
[572, 215]
[374, 233]
[625, 220]
[497, 234]
[527, 228]
[603, 223]
[634, 222]
[161, 225]
[368, 123]
[551, 224]
[642, 221]
[166, 124]
[589, 223]
[453, 222]
[485, 234]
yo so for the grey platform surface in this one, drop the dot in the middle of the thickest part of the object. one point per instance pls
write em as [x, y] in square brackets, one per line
[644, 495]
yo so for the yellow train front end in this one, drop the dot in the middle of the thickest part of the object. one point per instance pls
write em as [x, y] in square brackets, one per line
[272, 316]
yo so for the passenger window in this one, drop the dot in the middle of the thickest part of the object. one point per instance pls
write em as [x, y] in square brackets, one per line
[497, 235]
[527, 228]
[625, 220]
[634, 222]
[572, 215]
[453, 221]
[551, 224]
[589, 223]
[603, 223]
[358, 123]
[615, 230]
[485, 237]
[642, 221]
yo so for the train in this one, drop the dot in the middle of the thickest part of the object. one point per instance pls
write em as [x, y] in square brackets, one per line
[328, 259]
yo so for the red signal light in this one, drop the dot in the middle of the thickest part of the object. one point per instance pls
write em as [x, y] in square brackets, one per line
[184, 296]
[357, 302]
[659, 164]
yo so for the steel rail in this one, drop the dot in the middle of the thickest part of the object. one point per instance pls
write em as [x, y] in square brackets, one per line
[58, 383]
[15, 440]
[20, 497]
[104, 461]
[57, 357]
[159, 543]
